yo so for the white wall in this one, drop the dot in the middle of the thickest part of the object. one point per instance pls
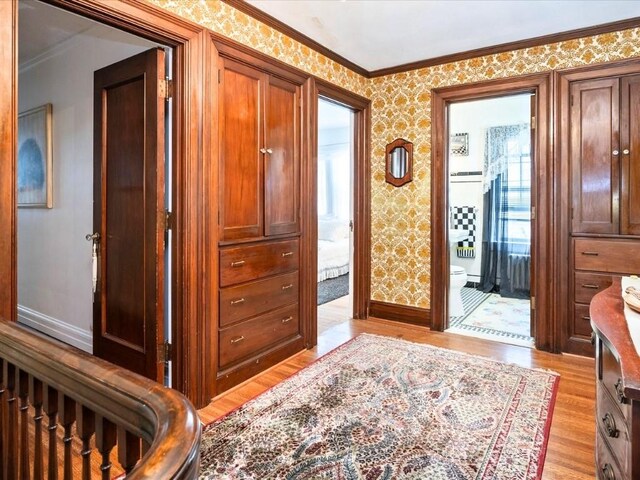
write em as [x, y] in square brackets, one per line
[54, 259]
[475, 118]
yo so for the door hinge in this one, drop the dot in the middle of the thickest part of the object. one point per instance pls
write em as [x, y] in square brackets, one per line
[571, 101]
[165, 88]
[533, 213]
[533, 123]
[219, 76]
[165, 352]
[533, 302]
[168, 220]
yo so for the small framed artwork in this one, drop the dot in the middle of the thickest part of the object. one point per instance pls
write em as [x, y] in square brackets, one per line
[34, 158]
[459, 144]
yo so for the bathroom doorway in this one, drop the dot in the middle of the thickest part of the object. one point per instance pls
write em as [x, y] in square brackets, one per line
[489, 155]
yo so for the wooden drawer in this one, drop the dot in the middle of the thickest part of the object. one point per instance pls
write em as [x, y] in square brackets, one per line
[249, 299]
[249, 338]
[607, 255]
[586, 285]
[613, 428]
[606, 466]
[611, 379]
[581, 320]
[250, 262]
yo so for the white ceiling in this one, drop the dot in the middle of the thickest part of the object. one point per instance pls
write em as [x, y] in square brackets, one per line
[376, 34]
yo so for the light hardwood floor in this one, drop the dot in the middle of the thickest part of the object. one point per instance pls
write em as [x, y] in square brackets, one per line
[570, 453]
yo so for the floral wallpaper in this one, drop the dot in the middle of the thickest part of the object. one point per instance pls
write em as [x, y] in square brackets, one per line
[401, 107]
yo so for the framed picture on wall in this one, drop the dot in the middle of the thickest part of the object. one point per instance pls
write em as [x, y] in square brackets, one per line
[35, 158]
[459, 144]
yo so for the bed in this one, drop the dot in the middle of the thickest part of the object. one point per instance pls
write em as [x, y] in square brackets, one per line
[333, 248]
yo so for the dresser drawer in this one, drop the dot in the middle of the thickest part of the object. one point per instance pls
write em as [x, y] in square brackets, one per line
[611, 379]
[250, 262]
[613, 428]
[248, 338]
[601, 255]
[586, 285]
[606, 466]
[581, 320]
[249, 299]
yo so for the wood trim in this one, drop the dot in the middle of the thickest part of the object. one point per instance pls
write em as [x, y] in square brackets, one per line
[8, 139]
[562, 191]
[193, 301]
[400, 313]
[545, 254]
[294, 34]
[510, 46]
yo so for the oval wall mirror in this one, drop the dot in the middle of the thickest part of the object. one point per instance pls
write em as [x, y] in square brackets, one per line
[399, 162]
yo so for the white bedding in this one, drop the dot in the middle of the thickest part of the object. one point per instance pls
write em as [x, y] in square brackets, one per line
[333, 258]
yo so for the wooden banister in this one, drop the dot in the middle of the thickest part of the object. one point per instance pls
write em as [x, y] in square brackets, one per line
[156, 429]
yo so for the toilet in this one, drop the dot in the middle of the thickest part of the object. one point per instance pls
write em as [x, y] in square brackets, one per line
[457, 280]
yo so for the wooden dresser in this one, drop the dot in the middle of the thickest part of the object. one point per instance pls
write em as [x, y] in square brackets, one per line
[618, 389]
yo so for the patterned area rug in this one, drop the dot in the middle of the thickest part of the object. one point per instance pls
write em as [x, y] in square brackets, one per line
[498, 318]
[471, 299]
[381, 408]
[332, 288]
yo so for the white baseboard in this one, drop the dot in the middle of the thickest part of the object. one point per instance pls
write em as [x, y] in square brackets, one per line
[58, 329]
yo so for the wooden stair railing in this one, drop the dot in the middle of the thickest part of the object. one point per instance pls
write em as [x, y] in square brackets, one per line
[46, 387]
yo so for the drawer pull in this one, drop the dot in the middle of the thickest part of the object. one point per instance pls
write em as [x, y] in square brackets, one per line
[236, 302]
[287, 254]
[237, 339]
[287, 320]
[592, 286]
[590, 254]
[608, 473]
[287, 287]
[585, 317]
[620, 391]
[610, 425]
[239, 263]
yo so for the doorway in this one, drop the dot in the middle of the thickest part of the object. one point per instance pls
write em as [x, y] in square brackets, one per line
[489, 223]
[61, 263]
[335, 212]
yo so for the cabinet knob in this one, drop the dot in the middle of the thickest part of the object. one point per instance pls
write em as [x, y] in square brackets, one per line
[620, 391]
[608, 473]
[263, 150]
[615, 153]
[269, 151]
[610, 425]
[625, 151]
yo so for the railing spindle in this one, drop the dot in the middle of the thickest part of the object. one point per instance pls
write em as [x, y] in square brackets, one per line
[67, 418]
[105, 441]
[50, 403]
[23, 395]
[128, 449]
[12, 426]
[35, 398]
[86, 427]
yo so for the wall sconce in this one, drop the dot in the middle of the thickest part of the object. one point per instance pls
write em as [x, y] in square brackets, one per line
[399, 162]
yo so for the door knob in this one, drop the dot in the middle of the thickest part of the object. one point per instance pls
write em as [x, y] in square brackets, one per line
[625, 151]
[615, 152]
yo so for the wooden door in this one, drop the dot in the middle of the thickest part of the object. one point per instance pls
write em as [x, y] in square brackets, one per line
[241, 111]
[594, 156]
[129, 161]
[630, 156]
[282, 159]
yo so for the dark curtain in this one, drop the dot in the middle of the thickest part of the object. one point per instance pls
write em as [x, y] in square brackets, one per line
[505, 259]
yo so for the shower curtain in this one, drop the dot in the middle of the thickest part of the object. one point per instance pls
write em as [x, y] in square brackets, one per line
[506, 238]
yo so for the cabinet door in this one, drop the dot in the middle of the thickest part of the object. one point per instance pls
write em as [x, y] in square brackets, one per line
[594, 163]
[241, 109]
[630, 151]
[282, 160]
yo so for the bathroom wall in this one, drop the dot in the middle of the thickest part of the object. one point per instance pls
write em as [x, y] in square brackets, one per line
[474, 118]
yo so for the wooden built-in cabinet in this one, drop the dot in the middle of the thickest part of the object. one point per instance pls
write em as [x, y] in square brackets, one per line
[617, 389]
[600, 126]
[259, 220]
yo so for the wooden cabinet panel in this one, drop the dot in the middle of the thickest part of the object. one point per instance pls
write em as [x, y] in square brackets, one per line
[247, 338]
[613, 427]
[282, 172]
[594, 133]
[250, 262]
[630, 151]
[586, 285]
[581, 321]
[606, 466]
[249, 299]
[611, 379]
[241, 137]
[607, 255]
